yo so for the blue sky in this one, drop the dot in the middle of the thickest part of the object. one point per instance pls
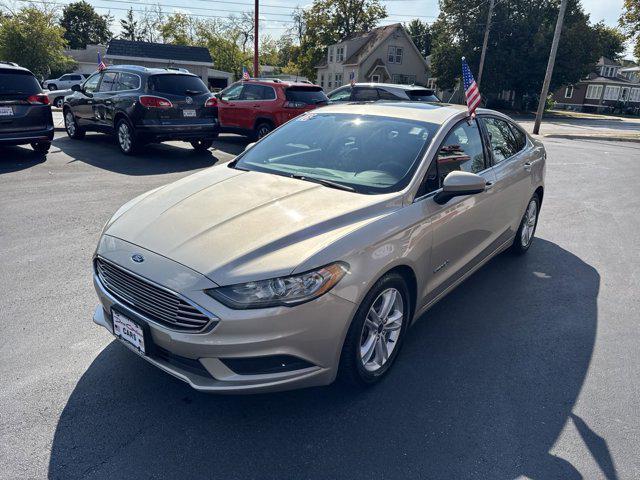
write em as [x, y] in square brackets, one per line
[274, 13]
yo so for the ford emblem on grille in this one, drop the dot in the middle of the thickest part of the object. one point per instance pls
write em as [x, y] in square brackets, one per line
[136, 257]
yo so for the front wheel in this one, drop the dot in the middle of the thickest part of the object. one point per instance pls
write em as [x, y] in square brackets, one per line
[527, 229]
[58, 102]
[376, 332]
[126, 137]
[201, 145]
[71, 126]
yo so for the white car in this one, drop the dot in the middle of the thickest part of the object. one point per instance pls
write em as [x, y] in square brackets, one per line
[56, 97]
[67, 80]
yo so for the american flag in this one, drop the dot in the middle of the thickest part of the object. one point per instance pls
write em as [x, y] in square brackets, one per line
[101, 64]
[245, 74]
[471, 91]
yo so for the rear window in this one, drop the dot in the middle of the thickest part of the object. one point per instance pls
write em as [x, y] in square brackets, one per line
[173, 84]
[308, 95]
[423, 95]
[18, 82]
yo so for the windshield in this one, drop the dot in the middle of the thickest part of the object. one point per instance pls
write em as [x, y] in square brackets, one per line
[423, 95]
[370, 154]
[174, 84]
[18, 82]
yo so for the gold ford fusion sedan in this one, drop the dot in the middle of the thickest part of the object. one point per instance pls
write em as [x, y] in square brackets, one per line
[310, 255]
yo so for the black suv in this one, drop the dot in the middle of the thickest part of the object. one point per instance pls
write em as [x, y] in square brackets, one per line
[25, 113]
[143, 105]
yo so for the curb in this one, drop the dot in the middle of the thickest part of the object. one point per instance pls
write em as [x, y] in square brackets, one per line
[569, 136]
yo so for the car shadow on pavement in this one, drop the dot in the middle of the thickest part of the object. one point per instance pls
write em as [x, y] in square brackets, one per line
[13, 159]
[102, 152]
[483, 388]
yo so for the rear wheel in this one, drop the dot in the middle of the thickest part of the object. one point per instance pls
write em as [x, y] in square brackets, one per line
[376, 333]
[71, 126]
[201, 145]
[126, 137]
[527, 229]
[52, 87]
[41, 147]
[262, 129]
[58, 102]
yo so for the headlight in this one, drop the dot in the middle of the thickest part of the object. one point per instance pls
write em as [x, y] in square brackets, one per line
[287, 291]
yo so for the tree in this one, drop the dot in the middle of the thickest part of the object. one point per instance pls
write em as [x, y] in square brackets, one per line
[609, 41]
[178, 29]
[33, 39]
[630, 21]
[152, 20]
[131, 29]
[84, 26]
[328, 21]
[420, 33]
[521, 35]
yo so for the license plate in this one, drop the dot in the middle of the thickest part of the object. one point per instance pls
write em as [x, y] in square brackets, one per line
[6, 112]
[128, 331]
[188, 113]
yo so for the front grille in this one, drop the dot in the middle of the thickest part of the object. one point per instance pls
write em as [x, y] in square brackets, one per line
[149, 300]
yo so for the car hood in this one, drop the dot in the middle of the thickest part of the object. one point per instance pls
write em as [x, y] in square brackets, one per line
[235, 226]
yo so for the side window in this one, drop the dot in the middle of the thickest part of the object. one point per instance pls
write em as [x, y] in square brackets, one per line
[521, 138]
[251, 92]
[341, 95]
[503, 143]
[92, 83]
[232, 92]
[108, 82]
[64, 78]
[461, 150]
[365, 94]
[127, 81]
[76, 77]
[386, 95]
[268, 93]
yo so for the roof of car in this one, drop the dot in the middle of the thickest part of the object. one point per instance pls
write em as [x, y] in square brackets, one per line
[437, 113]
[276, 81]
[147, 70]
[399, 86]
[12, 66]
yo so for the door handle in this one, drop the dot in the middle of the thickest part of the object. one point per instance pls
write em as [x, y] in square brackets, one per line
[89, 102]
[108, 102]
[527, 166]
[488, 186]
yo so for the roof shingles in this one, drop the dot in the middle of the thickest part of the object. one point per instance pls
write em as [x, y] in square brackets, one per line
[128, 48]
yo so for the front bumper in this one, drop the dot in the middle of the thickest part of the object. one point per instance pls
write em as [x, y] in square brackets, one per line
[312, 332]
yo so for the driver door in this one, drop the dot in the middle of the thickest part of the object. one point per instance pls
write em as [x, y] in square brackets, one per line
[83, 109]
[228, 108]
[464, 228]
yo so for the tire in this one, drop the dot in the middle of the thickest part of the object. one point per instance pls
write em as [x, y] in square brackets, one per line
[262, 129]
[52, 87]
[71, 126]
[58, 102]
[41, 147]
[126, 137]
[527, 228]
[201, 145]
[362, 361]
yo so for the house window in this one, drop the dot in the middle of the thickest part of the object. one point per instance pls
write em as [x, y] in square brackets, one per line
[594, 92]
[431, 83]
[568, 93]
[395, 54]
[338, 79]
[404, 79]
[611, 93]
[634, 96]
[375, 78]
[329, 84]
[330, 54]
[339, 54]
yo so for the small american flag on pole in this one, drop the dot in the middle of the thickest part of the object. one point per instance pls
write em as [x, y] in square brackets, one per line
[101, 64]
[245, 74]
[471, 91]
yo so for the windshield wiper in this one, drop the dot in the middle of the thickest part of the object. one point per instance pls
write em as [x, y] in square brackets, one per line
[326, 183]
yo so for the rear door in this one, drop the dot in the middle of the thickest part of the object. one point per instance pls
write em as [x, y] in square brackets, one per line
[17, 112]
[512, 157]
[255, 100]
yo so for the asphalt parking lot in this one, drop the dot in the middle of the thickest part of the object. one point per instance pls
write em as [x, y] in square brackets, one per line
[528, 370]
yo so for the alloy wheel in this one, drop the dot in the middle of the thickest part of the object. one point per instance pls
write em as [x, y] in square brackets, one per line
[263, 130]
[70, 123]
[124, 137]
[381, 329]
[529, 223]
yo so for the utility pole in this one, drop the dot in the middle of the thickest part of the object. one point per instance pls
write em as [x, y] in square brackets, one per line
[485, 42]
[256, 63]
[552, 61]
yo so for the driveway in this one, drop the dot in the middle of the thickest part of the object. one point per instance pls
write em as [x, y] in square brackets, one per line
[527, 370]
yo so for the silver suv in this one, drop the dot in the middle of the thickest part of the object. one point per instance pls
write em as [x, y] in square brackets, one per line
[371, 92]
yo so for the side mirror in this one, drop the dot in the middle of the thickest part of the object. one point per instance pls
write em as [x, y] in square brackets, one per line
[76, 88]
[460, 183]
[249, 145]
